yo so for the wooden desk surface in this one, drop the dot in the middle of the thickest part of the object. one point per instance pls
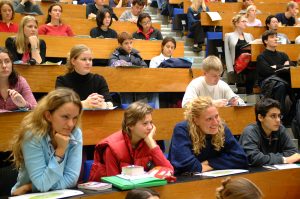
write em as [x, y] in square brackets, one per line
[279, 184]
[235, 7]
[97, 125]
[147, 79]
[292, 50]
[295, 74]
[226, 19]
[76, 24]
[102, 48]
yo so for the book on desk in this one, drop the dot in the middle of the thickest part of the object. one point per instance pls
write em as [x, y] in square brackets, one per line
[127, 184]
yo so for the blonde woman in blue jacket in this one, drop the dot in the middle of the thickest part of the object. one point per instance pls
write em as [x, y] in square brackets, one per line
[47, 150]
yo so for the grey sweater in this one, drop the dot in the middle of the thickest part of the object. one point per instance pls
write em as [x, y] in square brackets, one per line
[263, 150]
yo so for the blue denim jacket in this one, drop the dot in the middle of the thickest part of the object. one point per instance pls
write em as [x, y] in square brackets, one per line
[41, 167]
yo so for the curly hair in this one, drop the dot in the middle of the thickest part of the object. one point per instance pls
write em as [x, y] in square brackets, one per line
[194, 109]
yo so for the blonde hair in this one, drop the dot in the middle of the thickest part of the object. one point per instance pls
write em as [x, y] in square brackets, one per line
[236, 19]
[37, 124]
[21, 40]
[194, 109]
[290, 4]
[238, 188]
[212, 63]
[75, 52]
[135, 112]
[248, 10]
[197, 3]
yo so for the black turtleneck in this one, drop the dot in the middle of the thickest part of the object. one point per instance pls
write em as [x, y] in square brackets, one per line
[267, 59]
[84, 85]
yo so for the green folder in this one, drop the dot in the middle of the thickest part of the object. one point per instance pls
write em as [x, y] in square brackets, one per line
[124, 184]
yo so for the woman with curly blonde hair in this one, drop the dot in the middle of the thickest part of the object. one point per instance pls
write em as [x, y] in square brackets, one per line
[202, 142]
[47, 150]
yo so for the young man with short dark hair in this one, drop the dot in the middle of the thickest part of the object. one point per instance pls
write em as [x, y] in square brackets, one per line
[266, 142]
[133, 14]
[272, 24]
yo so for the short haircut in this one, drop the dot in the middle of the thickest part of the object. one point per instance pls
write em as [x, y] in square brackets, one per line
[9, 3]
[139, 2]
[263, 106]
[134, 113]
[212, 63]
[123, 36]
[290, 4]
[268, 20]
[266, 35]
[101, 15]
[166, 40]
[140, 18]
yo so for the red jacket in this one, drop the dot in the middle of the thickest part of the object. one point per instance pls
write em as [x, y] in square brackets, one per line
[115, 152]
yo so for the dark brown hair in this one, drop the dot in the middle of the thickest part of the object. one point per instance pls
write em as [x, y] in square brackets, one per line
[13, 77]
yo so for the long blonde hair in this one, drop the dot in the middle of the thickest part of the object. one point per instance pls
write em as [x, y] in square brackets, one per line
[21, 40]
[197, 3]
[37, 124]
[194, 109]
[74, 54]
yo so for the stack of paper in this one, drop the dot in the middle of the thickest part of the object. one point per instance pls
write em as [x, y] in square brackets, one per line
[50, 194]
[96, 186]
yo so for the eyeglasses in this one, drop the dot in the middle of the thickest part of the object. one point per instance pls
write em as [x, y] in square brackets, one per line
[146, 23]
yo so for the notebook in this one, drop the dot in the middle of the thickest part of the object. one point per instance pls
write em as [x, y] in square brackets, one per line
[124, 184]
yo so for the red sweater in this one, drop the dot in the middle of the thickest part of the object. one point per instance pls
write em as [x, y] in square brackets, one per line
[13, 27]
[61, 30]
[115, 152]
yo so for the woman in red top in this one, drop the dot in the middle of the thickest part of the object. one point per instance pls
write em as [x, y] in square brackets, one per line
[6, 16]
[53, 25]
[133, 145]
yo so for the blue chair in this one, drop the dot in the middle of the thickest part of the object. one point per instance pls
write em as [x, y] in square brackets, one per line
[87, 169]
[212, 36]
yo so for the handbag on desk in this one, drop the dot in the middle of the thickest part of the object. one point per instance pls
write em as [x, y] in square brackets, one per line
[242, 62]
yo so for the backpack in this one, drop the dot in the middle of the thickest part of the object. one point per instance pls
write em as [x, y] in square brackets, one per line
[176, 63]
[296, 121]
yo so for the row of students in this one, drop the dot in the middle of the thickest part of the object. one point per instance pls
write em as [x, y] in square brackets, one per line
[79, 65]
[47, 150]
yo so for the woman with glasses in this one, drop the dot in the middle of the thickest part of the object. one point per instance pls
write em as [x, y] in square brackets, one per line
[91, 88]
[266, 142]
[145, 30]
[47, 149]
[202, 142]
[235, 44]
[15, 93]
